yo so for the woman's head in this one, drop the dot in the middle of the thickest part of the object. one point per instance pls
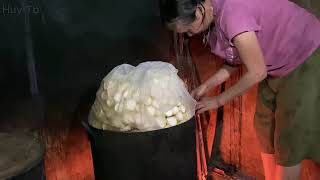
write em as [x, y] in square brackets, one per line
[186, 16]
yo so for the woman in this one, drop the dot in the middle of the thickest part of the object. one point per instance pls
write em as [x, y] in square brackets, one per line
[278, 43]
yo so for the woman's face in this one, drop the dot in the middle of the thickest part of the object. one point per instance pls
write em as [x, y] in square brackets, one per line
[201, 23]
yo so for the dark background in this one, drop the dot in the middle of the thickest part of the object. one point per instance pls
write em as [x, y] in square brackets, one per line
[75, 44]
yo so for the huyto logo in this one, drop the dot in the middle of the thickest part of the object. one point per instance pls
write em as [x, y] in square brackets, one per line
[10, 9]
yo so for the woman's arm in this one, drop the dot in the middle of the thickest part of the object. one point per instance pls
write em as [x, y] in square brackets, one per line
[252, 57]
[219, 77]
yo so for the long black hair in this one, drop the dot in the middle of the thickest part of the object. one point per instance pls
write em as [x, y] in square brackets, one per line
[182, 11]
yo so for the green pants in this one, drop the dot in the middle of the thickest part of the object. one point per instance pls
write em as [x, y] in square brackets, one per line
[313, 6]
[287, 119]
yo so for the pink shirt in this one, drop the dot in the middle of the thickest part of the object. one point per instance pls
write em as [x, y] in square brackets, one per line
[287, 33]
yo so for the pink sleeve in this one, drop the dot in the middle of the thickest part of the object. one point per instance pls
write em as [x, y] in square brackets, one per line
[236, 20]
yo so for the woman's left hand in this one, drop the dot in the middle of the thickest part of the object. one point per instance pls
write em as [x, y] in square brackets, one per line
[207, 103]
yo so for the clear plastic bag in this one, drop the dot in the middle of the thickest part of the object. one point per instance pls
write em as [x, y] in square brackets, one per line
[147, 97]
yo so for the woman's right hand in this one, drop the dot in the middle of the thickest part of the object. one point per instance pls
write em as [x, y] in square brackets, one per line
[200, 91]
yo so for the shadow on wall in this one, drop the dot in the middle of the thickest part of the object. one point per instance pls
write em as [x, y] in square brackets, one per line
[92, 37]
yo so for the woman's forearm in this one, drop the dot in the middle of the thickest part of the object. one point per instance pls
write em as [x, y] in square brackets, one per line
[252, 57]
[247, 81]
[220, 76]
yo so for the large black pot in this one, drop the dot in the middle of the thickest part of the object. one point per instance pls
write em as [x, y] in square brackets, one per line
[155, 155]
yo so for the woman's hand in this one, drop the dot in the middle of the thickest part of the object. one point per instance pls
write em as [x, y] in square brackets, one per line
[207, 103]
[199, 92]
